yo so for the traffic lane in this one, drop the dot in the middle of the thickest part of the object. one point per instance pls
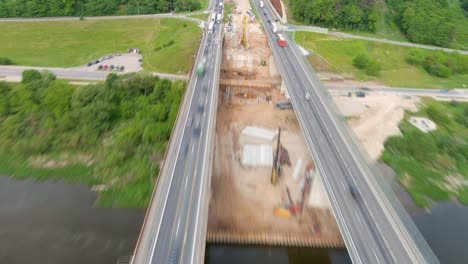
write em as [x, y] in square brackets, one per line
[341, 155]
[203, 182]
[322, 143]
[404, 247]
[164, 183]
[283, 60]
[306, 129]
[174, 209]
[384, 222]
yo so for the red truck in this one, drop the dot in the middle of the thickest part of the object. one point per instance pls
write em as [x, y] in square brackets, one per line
[281, 39]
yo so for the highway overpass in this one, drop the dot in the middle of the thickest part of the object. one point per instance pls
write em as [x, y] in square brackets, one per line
[374, 225]
[175, 225]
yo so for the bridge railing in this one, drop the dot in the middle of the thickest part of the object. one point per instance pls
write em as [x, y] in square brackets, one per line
[390, 198]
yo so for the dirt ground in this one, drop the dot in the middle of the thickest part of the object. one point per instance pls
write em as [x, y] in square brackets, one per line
[241, 62]
[375, 117]
[243, 199]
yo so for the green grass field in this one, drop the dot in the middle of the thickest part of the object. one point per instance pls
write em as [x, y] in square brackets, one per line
[73, 43]
[199, 16]
[336, 54]
[432, 166]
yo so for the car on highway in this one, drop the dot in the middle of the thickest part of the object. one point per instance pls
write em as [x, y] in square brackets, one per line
[196, 131]
[355, 193]
[200, 108]
[307, 96]
[204, 88]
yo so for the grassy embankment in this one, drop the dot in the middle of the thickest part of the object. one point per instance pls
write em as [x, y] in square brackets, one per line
[73, 43]
[432, 166]
[112, 134]
[335, 54]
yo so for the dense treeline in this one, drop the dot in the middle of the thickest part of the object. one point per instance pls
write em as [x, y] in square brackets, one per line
[52, 8]
[424, 21]
[123, 124]
[438, 63]
[464, 6]
[349, 14]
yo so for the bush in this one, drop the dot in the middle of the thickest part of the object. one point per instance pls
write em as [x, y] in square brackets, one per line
[30, 76]
[438, 63]
[415, 57]
[361, 61]
[6, 61]
[373, 68]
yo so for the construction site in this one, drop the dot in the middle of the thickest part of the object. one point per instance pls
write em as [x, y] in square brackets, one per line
[265, 189]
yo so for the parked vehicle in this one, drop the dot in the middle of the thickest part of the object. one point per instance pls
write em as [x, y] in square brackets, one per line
[218, 18]
[122, 68]
[104, 67]
[99, 67]
[89, 64]
[281, 39]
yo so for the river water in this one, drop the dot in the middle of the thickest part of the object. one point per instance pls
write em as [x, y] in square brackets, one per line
[55, 222]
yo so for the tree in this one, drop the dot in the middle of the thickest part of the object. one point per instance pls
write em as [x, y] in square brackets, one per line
[352, 14]
[361, 61]
[373, 68]
[29, 76]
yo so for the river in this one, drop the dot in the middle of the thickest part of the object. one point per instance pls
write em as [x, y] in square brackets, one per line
[55, 222]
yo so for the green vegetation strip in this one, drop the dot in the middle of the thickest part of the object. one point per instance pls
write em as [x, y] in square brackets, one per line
[434, 165]
[112, 134]
[74, 43]
[335, 54]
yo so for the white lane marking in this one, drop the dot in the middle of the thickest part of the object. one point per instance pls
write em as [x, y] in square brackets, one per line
[377, 258]
[358, 218]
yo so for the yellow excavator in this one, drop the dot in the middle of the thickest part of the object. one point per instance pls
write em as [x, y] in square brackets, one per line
[244, 33]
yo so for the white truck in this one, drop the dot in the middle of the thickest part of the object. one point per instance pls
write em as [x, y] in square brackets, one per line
[261, 4]
[218, 18]
[210, 27]
[274, 28]
[213, 17]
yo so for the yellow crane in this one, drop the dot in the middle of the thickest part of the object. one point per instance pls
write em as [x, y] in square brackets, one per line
[244, 33]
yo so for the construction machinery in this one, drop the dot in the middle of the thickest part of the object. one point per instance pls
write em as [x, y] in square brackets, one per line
[276, 163]
[244, 32]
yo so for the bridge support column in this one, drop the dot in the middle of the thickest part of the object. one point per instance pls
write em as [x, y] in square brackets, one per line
[318, 197]
[284, 91]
